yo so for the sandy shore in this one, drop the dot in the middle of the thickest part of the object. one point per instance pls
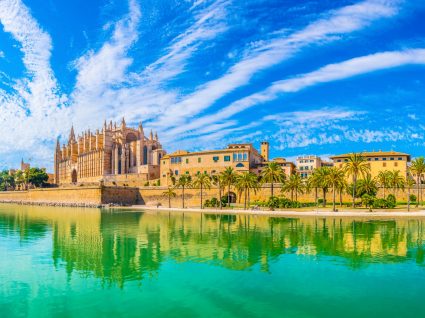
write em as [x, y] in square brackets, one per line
[288, 213]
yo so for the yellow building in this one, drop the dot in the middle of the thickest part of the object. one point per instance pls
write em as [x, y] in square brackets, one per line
[379, 161]
[241, 157]
[287, 166]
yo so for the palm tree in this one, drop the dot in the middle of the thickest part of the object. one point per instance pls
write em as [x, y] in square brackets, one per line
[383, 180]
[185, 181]
[203, 181]
[217, 181]
[409, 183]
[170, 194]
[367, 185]
[228, 177]
[273, 173]
[417, 168]
[320, 175]
[334, 179]
[356, 166]
[294, 185]
[312, 183]
[395, 180]
[245, 182]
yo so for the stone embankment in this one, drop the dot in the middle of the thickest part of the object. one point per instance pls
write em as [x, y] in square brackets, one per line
[61, 204]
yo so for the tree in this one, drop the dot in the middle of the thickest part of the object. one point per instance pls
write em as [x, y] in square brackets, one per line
[37, 176]
[367, 185]
[356, 166]
[20, 177]
[409, 183]
[169, 194]
[184, 182]
[383, 180]
[312, 182]
[333, 179]
[417, 168]
[395, 181]
[245, 182]
[273, 173]
[203, 181]
[320, 175]
[228, 176]
[6, 180]
[217, 180]
[294, 185]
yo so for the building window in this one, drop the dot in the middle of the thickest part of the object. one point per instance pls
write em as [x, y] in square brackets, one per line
[199, 160]
[245, 157]
[215, 158]
[187, 172]
[239, 157]
[226, 158]
[235, 157]
[339, 160]
[392, 158]
[176, 172]
[376, 159]
[395, 164]
[240, 165]
[346, 160]
[384, 159]
[187, 161]
[384, 164]
[163, 162]
[369, 159]
[399, 158]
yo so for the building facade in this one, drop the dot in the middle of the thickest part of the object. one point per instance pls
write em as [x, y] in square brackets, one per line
[241, 157]
[307, 164]
[108, 154]
[379, 161]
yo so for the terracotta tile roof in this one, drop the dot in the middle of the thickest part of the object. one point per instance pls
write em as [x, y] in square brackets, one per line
[373, 154]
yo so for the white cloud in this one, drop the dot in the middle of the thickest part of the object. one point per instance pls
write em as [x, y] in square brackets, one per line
[1, 54]
[106, 86]
[332, 72]
[266, 54]
[29, 113]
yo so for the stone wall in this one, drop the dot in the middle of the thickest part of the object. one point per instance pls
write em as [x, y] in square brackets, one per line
[154, 195]
[74, 195]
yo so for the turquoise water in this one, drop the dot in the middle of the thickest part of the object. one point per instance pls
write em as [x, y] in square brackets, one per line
[70, 262]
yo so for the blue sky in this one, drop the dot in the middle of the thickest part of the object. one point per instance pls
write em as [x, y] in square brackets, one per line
[312, 77]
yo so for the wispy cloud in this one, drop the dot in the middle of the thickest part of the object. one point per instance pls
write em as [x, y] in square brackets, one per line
[30, 112]
[268, 53]
[105, 84]
[328, 73]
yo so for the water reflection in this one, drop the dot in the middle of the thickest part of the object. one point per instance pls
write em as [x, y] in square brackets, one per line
[122, 246]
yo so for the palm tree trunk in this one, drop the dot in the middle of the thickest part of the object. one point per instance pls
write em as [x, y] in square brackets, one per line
[183, 197]
[340, 197]
[272, 189]
[219, 194]
[315, 196]
[384, 192]
[333, 198]
[202, 206]
[245, 198]
[292, 195]
[228, 195]
[296, 194]
[419, 198]
[408, 198]
[169, 201]
[324, 197]
[354, 190]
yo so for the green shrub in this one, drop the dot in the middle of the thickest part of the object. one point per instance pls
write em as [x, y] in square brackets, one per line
[391, 201]
[368, 200]
[412, 198]
[320, 201]
[273, 202]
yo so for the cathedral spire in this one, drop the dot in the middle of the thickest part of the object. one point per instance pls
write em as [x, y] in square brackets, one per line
[151, 135]
[156, 136]
[58, 146]
[72, 134]
[123, 123]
